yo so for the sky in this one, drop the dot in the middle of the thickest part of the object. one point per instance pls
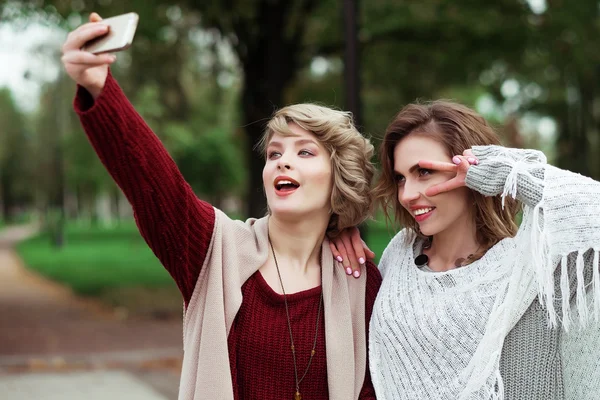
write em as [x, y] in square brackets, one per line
[20, 54]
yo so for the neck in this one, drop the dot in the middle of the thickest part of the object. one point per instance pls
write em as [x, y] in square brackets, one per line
[460, 241]
[297, 243]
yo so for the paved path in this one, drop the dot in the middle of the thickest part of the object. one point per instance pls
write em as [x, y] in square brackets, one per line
[55, 345]
[100, 385]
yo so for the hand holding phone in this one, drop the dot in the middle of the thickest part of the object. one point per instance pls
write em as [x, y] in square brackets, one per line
[121, 30]
[86, 52]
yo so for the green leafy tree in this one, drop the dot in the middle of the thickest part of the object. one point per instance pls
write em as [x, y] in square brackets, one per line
[561, 69]
[14, 153]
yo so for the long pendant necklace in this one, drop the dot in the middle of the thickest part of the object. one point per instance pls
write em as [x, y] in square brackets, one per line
[297, 395]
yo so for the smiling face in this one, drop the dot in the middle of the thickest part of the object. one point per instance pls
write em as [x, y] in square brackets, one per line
[437, 214]
[297, 176]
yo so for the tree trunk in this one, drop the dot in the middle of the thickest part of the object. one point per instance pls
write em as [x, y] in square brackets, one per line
[352, 81]
[7, 200]
[269, 64]
[258, 102]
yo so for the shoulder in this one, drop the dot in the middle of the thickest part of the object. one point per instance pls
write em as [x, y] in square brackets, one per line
[240, 230]
[242, 245]
[396, 249]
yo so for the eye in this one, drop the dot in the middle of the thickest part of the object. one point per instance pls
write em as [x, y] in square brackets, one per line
[399, 179]
[424, 172]
[305, 153]
[273, 154]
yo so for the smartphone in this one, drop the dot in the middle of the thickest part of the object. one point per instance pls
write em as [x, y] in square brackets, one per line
[121, 30]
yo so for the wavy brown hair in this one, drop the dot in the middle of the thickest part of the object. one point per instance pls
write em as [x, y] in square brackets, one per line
[350, 154]
[457, 128]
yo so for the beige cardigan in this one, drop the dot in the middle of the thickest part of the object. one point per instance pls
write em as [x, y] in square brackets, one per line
[237, 250]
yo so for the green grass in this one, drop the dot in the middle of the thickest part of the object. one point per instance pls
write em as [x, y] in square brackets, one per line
[115, 266]
[95, 259]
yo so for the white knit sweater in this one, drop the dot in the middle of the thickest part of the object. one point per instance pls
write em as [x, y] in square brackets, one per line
[441, 335]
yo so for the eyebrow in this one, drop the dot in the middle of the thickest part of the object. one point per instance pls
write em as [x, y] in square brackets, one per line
[297, 142]
[410, 170]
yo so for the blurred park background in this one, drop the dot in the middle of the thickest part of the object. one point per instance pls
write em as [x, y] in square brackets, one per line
[206, 75]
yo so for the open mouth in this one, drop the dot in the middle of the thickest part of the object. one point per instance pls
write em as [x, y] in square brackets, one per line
[285, 185]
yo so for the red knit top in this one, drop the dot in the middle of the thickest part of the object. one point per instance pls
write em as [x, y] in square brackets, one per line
[178, 228]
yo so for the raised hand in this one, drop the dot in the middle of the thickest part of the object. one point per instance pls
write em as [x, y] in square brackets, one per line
[460, 166]
[87, 69]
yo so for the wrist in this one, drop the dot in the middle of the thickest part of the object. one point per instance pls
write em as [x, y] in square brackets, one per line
[96, 86]
[94, 90]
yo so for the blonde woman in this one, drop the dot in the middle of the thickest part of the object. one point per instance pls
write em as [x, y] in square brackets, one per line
[472, 306]
[264, 305]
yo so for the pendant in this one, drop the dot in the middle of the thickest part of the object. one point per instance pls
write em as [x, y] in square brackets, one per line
[297, 396]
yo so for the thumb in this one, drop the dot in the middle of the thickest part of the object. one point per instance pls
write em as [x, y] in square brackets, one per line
[94, 17]
[368, 252]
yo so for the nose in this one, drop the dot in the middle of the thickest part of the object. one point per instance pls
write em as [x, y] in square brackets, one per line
[283, 163]
[408, 193]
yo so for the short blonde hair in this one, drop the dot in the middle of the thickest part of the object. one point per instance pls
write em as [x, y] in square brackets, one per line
[351, 153]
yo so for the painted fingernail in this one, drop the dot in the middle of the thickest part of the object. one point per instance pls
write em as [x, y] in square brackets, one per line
[456, 160]
[472, 160]
[349, 271]
[361, 260]
[356, 274]
[339, 258]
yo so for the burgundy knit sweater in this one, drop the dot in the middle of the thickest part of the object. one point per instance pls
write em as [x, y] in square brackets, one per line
[178, 228]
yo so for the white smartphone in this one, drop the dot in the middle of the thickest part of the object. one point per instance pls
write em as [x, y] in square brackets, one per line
[121, 30]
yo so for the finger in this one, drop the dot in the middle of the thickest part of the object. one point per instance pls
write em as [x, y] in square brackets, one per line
[437, 165]
[95, 17]
[87, 25]
[468, 154]
[443, 187]
[352, 258]
[82, 35]
[345, 260]
[335, 252]
[355, 267]
[86, 58]
[369, 253]
[463, 163]
[357, 245]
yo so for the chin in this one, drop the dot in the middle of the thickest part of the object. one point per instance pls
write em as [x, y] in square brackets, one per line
[285, 210]
[294, 211]
[428, 230]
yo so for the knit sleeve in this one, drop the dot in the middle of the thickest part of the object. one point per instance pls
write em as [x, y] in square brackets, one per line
[176, 225]
[561, 217]
[497, 164]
